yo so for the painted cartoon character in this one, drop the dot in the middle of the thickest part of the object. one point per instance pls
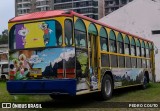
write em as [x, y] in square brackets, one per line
[12, 72]
[23, 32]
[21, 67]
[46, 30]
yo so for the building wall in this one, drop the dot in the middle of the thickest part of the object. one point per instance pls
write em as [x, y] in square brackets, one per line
[29, 6]
[92, 8]
[112, 5]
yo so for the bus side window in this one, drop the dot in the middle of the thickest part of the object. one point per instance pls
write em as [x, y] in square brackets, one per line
[80, 34]
[103, 39]
[68, 32]
[80, 39]
[82, 43]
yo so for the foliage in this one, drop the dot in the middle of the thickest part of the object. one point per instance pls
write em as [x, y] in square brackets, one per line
[4, 37]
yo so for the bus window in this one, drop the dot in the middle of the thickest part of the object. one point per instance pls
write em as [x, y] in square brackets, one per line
[147, 50]
[68, 32]
[105, 60]
[80, 34]
[120, 44]
[127, 45]
[133, 47]
[12, 41]
[114, 61]
[148, 64]
[134, 62]
[144, 63]
[112, 40]
[139, 63]
[128, 62]
[138, 49]
[103, 39]
[143, 49]
[36, 34]
[121, 61]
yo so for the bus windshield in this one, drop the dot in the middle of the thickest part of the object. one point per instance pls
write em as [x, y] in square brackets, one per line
[36, 34]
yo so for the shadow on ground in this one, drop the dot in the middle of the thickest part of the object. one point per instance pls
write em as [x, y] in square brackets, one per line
[88, 100]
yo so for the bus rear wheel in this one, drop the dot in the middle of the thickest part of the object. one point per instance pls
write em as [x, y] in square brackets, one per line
[3, 78]
[107, 87]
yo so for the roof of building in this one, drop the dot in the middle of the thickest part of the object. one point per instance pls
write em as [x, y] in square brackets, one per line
[139, 17]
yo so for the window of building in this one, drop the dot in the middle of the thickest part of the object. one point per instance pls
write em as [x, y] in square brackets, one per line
[127, 45]
[68, 32]
[155, 31]
[103, 39]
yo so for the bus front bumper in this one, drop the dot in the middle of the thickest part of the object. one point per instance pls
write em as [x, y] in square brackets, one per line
[59, 86]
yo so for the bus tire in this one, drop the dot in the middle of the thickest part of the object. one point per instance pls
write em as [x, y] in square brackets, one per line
[107, 87]
[144, 85]
[3, 78]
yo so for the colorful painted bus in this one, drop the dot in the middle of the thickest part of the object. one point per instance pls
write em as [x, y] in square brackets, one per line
[63, 52]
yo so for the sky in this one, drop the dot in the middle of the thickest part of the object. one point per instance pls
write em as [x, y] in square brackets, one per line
[7, 11]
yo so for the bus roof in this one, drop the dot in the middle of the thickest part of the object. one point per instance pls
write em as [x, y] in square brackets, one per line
[55, 13]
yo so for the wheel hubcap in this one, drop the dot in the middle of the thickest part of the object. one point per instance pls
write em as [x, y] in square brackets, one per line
[108, 87]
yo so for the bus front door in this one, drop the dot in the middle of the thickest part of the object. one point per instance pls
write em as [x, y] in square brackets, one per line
[93, 61]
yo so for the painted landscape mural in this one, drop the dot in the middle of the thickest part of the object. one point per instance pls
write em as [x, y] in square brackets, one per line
[44, 63]
[128, 76]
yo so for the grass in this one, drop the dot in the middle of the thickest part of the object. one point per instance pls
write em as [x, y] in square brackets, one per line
[6, 97]
[134, 94]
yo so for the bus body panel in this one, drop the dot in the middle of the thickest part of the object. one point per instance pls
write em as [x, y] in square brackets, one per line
[58, 86]
[123, 77]
[53, 59]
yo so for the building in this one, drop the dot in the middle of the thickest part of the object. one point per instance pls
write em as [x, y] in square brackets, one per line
[142, 21]
[29, 6]
[92, 8]
[112, 5]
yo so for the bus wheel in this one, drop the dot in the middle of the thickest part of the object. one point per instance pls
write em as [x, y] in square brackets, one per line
[3, 78]
[144, 85]
[107, 87]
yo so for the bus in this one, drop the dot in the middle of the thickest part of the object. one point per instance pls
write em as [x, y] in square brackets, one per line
[65, 53]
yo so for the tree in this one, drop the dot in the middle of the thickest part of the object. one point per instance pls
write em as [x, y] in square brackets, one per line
[4, 37]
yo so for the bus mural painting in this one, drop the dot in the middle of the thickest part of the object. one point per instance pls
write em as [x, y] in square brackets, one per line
[36, 34]
[67, 53]
[82, 70]
[48, 61]
[47, 31]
